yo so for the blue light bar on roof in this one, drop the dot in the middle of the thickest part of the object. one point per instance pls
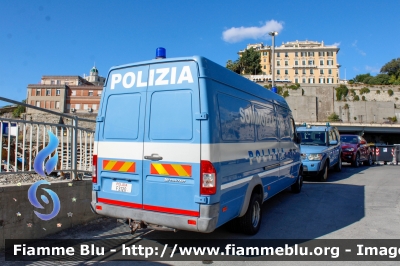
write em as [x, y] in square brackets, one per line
[161, 53]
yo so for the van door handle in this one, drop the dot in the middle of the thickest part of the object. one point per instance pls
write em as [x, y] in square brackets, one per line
[153, 156]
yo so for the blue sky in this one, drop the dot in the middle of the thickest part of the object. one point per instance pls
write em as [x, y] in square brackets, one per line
[46, 37]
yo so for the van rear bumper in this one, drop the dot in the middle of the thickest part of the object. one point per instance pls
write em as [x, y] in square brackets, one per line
[206, 223]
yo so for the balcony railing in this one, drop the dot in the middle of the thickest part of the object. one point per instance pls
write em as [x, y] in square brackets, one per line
[307, 66]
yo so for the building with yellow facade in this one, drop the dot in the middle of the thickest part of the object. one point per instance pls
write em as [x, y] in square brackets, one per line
[299, 62]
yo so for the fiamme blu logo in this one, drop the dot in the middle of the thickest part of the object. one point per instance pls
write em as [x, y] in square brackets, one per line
[49, 166]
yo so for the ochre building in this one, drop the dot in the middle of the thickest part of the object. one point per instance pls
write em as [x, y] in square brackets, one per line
[301, 62]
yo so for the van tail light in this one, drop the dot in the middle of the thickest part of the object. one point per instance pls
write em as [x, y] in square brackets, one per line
[94, 169]
[208, 175]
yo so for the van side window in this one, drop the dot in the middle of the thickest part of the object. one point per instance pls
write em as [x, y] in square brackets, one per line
[115, 127]
[236, 118]
[284, 125]
[171, 115]
[266, 129]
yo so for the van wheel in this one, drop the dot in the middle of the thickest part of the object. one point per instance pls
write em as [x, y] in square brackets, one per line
[338, 166]
[251, 221]
[296, 187]
[324, 175]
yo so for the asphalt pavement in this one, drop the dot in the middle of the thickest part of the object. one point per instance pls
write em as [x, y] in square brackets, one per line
[357, 203]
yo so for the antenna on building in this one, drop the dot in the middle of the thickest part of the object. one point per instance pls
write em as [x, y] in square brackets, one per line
[345, 74]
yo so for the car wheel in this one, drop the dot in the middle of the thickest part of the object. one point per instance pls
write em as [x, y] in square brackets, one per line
[369, 162]
[324, 175]
[251, 221]
[338, 166]
[356, 162]
[296, 187]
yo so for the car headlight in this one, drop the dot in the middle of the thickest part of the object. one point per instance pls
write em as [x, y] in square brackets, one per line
[348, 149]
[303, 156]
[315, 156]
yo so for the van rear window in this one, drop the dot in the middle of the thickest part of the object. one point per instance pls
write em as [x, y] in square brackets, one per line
[122, 116]
[171, 115]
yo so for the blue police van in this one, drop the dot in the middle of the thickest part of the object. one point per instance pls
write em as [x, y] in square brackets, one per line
[186, 144]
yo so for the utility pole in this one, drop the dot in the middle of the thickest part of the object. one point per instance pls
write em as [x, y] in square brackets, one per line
[273, 34]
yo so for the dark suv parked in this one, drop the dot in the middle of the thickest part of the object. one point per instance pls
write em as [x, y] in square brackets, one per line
[355, 150]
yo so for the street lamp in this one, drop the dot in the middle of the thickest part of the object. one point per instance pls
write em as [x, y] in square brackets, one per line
[273, 34]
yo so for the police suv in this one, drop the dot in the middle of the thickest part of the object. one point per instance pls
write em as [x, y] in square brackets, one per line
[320, 150]
[186, 144]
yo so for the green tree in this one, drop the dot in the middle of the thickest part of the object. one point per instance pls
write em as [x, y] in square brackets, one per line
[367, 80]
[294, 86]
[280, 90]
[364, 90]
[392, 79]
[285, 94]
[380, 79]
[19, 110]
[390, 92]
[392, 68]
[333, 117]
[341, 92]
[361, 77]
[268, 86]
[395, 81]
[250, 61]
[234, 66]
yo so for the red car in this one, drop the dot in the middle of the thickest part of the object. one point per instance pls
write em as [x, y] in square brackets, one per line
[355, 150]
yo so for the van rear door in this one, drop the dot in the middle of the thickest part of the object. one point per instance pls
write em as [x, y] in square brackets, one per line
[149, 138]
[171, 165]
[120, 138]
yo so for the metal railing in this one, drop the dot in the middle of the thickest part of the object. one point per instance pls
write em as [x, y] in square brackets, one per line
[21, 140]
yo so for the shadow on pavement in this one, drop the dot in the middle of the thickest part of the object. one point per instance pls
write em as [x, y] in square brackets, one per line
[320, 208]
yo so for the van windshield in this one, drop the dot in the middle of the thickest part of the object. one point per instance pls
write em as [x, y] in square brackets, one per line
[313, 138]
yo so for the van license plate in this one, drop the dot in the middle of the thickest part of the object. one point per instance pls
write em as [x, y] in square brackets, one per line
[121, 187]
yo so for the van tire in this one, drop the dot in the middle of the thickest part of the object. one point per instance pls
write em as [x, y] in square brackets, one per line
[249, 223]
[296, 187]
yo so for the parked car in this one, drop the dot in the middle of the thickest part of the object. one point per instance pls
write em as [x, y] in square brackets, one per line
[355, 150]
[320, 150]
